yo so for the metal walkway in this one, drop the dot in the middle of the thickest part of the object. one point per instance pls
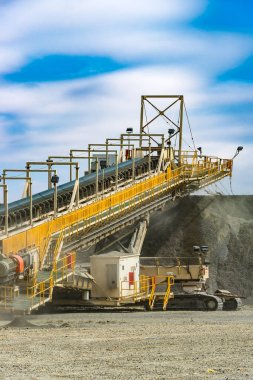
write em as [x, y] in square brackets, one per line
[116, 204]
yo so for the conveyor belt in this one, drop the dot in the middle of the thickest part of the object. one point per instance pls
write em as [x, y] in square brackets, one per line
[43, 201]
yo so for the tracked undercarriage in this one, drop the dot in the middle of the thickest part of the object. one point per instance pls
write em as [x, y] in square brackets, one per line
[191, 274]
[230, 301]
[197, 301]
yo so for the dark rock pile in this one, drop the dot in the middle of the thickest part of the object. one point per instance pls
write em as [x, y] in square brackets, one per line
[224, 223]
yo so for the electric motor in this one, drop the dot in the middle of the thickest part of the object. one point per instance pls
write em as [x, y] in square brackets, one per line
[7, 268]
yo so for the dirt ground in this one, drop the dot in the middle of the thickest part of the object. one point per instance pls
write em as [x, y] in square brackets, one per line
[136, 345]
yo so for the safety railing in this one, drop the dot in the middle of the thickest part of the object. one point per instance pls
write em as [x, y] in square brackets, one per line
[58, 246]
[7, 295]
[169, 261]
[145, 289]
[136, 290]
[118, 202]
[64, 267]
[132, 196]
[152, 294]
[158, 281]
[46, 244]
[168, 294]
[41, 291]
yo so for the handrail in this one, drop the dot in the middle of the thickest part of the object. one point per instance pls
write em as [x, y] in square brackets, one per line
[145, 289]
[57, 246]
[168, 292]
[47, 240]
[152, 294]
[8, 293]
[128, 196]
[175, 173]
[44, 289]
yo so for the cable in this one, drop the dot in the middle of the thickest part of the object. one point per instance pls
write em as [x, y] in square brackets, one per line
[224, 188]
[146, 115]
[230, 182]
[220, 192]
[188, 121]
[169, 122]
[175, 143]
[188, 145]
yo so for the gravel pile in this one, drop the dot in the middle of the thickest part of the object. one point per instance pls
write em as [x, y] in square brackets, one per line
[224, 223]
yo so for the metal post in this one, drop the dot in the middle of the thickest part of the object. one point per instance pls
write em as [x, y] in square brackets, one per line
[49, 166]
[149, 157]
[103, 179]
[96, 177]
[70, 166]
[89, 163]
[141, 120]
[133, 164]
[116, 170]
[106, 153]
[55, 199]
[121, 149]
[6, 215]
[180, 129]
[162, 152]
[27, 182]
[31, 203]
[77, 190]
[4, 178]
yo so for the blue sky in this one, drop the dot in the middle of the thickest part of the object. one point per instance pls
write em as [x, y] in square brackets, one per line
[72, 73]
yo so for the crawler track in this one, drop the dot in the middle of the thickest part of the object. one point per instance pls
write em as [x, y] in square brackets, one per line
[232, 304]
[200, 301]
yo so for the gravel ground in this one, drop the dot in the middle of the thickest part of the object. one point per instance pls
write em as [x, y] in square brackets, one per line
[137, 345]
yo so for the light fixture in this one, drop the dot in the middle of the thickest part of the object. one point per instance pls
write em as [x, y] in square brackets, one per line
[55, 179]
[171, 131]
[129, 130]
[200, 150]
[238, 150]
[204, 248]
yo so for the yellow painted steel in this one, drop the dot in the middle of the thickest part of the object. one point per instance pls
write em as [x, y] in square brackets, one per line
[168, 293]
[57, 247]
[145, 289]
[40, 291]
[135, 290]
[156, 280]
[114, 204]
[7, 294]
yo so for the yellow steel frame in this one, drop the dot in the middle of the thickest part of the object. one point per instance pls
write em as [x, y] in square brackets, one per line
[168, 293]
[137, 290]
[7, 294]
[145, 289]
[39, 292]
[115, 203]
[57, 247]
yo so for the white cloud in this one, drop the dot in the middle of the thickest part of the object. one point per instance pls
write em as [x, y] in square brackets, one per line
[63, 16]
[127, 30]
[84, 26]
